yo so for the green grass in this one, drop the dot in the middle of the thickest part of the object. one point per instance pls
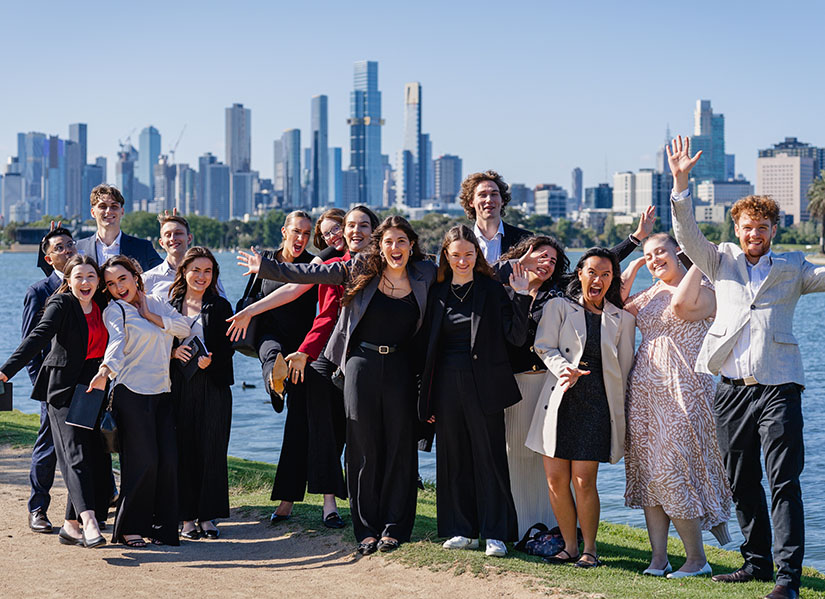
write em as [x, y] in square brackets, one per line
[624, 549]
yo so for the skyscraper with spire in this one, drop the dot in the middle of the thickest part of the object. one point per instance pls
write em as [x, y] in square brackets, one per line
[365, 133]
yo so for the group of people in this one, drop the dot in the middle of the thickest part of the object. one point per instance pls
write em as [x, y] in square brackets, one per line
[524, 373]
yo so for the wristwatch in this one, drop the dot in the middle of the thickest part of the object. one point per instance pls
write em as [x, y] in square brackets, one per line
[635, 240]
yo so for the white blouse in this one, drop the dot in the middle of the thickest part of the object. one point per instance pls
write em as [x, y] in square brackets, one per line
[138, 354]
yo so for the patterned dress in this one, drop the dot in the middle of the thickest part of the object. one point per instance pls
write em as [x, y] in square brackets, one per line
[671, 453]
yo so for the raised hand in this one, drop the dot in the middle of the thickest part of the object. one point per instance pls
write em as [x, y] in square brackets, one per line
[238, 324]
[297, 364]
[252, 261]
[532, 261]
[570, 376]
[681, 162]
[518, 278]
[646, 222]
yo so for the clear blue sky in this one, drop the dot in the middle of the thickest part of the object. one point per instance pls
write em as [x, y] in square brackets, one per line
[531, 89]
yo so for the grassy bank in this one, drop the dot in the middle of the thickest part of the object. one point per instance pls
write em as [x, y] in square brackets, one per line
[624, 549]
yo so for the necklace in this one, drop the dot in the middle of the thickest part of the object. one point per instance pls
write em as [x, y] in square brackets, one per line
[388, 285]
[461, 298]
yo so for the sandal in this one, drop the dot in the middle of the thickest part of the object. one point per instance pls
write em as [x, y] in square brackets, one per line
[134, 543]
[156, 542]
[556, 559]
[367, 548]
[387, 545]
[582, 563]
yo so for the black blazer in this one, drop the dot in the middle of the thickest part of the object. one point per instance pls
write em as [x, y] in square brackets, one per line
[496, 318]
[214, 312]
[33, 304]
[512, 235]
[64, 324]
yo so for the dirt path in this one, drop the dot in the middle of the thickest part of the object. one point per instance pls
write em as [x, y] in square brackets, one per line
[249, 560]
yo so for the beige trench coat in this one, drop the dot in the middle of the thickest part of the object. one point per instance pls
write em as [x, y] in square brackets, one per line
[560, 343]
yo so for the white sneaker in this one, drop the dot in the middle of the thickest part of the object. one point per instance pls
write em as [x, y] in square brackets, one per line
[496, 548]
[460, 543]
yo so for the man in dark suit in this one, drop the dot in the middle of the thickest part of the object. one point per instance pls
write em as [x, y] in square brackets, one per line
[107, 210]
[57, 247]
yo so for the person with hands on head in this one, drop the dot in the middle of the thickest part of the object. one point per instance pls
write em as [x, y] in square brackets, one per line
[673, 467]
[758, 402]
[586, 341]
[204, 401]
[382, 308]
[466, 384]
[141, 331]
[72, 319]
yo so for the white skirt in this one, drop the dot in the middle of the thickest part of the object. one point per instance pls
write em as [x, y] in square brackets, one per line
[528, 482]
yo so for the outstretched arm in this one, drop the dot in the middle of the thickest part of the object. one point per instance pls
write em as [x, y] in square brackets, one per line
[239, 323]
[334, 273]
[692, 301]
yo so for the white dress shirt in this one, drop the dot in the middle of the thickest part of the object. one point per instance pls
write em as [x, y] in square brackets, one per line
[158, 280]
[491, 248]
[103, 251]
[138, 353]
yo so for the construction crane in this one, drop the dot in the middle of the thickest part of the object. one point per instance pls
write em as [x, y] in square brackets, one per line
[128, 141]
[175, 147]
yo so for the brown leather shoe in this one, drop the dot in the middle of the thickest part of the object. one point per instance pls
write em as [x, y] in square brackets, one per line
[780, 591]
[39, 522]
[741, 575]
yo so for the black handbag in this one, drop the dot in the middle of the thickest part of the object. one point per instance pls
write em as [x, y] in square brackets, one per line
[108, 430]
[248, 345]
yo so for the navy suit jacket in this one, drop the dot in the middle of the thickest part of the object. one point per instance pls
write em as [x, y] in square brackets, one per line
[140, 249]
[33, 303]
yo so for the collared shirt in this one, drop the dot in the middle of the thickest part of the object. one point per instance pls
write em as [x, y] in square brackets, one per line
[491, 248]
[103, 251]
[139, 351]
[158, 280]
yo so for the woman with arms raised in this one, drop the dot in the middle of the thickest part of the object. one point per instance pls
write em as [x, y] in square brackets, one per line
[141, 330]
[383, 306]
[672, 461]
[586, 342]
[204, 401]
[72, 322]
[466, 385]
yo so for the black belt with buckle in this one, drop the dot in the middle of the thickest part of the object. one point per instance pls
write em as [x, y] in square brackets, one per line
[748, 381]
[381, 349]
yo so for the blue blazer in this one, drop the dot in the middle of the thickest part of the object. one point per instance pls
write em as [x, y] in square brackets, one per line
[33, 304]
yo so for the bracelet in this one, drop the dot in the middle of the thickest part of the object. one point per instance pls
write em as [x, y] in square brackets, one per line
[635, 240]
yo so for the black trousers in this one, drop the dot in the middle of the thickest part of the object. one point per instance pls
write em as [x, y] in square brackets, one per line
[327, 428]
[148, 504]
[473, 495]
[203, 418]
[86, 467]
[381, 455]
[767, 417]
[41, 475]
[291, 476]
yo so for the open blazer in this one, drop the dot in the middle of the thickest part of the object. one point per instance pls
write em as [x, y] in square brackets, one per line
[495, 318]
[560, 343]
[214, 312]
[421, 274]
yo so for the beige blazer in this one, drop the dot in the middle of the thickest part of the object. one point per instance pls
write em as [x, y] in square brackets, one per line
[559, 343]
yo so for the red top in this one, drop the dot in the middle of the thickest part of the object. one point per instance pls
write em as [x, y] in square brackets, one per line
[98, 335]
[329, 304]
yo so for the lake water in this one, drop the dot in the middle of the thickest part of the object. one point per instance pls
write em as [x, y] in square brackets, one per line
[257, 431]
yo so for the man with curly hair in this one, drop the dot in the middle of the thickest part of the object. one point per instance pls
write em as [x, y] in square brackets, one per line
[752, 346]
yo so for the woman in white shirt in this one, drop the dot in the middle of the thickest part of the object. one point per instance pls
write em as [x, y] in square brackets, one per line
[141, 330]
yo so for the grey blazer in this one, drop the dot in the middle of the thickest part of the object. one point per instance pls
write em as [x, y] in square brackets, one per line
[421, 274]
[775, 355]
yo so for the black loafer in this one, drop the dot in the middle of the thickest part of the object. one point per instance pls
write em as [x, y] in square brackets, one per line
[278, 518]
[92, 543]
[211, 534]
[367, 548]
[333, 520]
[192, 535]
[67, 539]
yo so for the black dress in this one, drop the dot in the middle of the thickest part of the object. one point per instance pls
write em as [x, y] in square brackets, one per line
[583, 428]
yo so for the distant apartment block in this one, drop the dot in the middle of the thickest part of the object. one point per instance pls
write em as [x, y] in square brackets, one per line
[550, 200]
[786, 179]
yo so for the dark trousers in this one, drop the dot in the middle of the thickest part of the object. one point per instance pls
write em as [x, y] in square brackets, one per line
[767, 417]
[473, 480]
[381, 455]
[291, 476]
[327, 428]
[44, 459]
[148, 504]
[86, 467]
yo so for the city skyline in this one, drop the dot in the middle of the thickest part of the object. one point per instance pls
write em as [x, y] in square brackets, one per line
[530, 105]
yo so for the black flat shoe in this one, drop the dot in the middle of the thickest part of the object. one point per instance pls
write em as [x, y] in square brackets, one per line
[367, 548]
[211, 534]
[333, 520]
[192, 535]
[278, 518]
[92, 543]
[66, 539]
[387, 545]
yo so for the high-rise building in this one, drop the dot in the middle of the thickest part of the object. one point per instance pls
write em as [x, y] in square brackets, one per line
[77, 134]
[216, 201]
[148, 154]
[793, 147]
[576, 187]
[13, 192]
[723, 192]
[101, 162]
[185, 184]
[238, 138]
[624, 192]
[599, 197]
[125, 176]
[318, 164]
[365, 133]
[708, 136]
[164, 175]
[634, 192]
[411, 181]
[448, 176]
[730, 167]
[786, 178]
[242, 195]
[93, 175]
[661, 154]
[31, 152]
[291, 160]
[550, 200]
[350, 187]
[200, 196]
[521, 197]
[336, 192]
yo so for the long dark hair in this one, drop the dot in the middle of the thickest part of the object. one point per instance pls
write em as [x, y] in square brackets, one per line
[126, 262]
[371, 264]
[77, 260]
[557, 279]
[614, 292]
[461, 233]
[178, 288]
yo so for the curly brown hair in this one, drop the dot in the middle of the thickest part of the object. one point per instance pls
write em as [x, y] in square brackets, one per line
[468, 190]
[179, 286]
[104, 189]
[371, 263]
[461, 233]
[756, 206]
[335, 214]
